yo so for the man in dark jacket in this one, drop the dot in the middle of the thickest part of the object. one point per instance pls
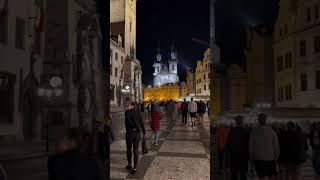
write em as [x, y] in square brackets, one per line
[134, 125]
[69, 163]
[238, 142]
[184, 111]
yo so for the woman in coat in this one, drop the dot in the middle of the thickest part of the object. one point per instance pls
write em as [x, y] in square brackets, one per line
[155, 123]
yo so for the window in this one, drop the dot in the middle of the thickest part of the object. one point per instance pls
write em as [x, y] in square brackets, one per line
[56, 118]
[318, 79]
[172, 67]
[280, 63]
[112, 92]
[288, 60]
[3, 28]
[116, 56]
[280, 94]
[111, 54]
[303, 48]
[316, 11]
[303, 81]
[280, 32]
[317, 44]
[205, 87]
[204, 76]
[308, 14]
[121, 59]
[20, 33]
[288, 92]
[130, 26]
[115, 72]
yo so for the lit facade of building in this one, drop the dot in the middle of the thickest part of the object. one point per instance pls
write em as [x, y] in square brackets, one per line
[123, 23]
[165, 92]
[117, 65]
[237, 88]
[296, 57]
[165, 72]
[260, 68]
[191, 82]
[202, 75]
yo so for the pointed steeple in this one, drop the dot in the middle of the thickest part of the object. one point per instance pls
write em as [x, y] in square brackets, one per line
[173, 51]
[158, 55]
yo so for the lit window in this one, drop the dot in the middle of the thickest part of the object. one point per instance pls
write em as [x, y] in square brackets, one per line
[303, 82]
[116, 56]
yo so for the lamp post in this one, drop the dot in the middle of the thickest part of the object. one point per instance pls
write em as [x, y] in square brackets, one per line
[47, 92]
[125, 91]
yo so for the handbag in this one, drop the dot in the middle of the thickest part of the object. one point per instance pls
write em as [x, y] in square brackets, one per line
[144, 146]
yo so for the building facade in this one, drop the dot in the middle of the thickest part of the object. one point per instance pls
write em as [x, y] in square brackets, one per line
[51, 64]
[297, 53]
[123, 24]
[236, 88]
[203, 75]
[191, 82]
[165, 72]
[117, 67]
[164, 92]
[259, 66]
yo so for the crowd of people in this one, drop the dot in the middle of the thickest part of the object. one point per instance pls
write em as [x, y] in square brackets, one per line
[271, 151]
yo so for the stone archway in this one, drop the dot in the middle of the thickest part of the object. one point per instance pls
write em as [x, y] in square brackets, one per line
[29, 115]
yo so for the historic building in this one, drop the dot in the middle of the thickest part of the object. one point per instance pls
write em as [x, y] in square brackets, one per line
[117, 68]
[165, 71]
[259, 66]
[183, 89]
[202, 75]
[50, 68]
[236, 88]
[123, 24]
[297, 54]
[191, 82]
[164, 92]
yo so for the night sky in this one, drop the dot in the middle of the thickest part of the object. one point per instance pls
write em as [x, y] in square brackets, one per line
[159, 22]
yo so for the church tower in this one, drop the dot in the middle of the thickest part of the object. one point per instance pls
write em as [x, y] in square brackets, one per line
[157, 63]
[173, 62]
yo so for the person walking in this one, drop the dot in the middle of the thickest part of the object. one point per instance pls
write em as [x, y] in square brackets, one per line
[134, 125]
[201, 111]
[294, 151]
[69, 163]
[170, 110]
[208, 107]
[184, 111]
[155, 123]
[237, 144]
[264, 149]
[315, 145]
[193, 108]
[222, 133]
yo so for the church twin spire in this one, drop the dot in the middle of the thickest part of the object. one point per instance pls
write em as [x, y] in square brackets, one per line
[172, 54]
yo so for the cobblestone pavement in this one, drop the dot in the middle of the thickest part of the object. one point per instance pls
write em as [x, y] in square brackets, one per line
[182, 153]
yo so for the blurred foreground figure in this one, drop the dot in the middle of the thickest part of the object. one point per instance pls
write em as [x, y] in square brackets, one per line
[264, 149]
[69, 163]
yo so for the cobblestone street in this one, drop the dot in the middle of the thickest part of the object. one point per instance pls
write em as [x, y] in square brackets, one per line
[182, 153]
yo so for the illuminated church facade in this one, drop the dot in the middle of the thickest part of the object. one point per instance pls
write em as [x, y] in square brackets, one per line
[165, 71]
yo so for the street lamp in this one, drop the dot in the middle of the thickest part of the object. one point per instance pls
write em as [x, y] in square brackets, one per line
[47, 91]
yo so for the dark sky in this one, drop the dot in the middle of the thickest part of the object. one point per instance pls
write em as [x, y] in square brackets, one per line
[162, 21]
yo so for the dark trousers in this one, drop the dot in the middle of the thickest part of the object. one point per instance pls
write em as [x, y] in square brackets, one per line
[184, 117]
[236, 171]
[133, 140]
